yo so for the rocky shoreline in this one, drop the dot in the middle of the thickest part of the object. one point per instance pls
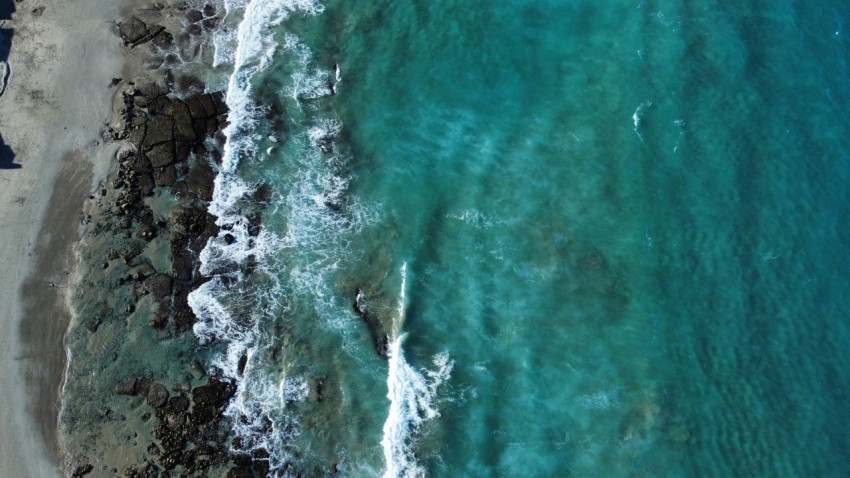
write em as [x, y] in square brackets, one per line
[153, 410]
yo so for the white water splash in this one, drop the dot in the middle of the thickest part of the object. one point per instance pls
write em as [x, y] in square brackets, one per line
[636, 117]
[261, 398]
[413, 397]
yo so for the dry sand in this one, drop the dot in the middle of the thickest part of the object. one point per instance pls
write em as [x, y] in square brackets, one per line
[61, 58]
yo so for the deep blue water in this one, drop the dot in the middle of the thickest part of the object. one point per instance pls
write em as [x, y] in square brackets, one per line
[603, 238]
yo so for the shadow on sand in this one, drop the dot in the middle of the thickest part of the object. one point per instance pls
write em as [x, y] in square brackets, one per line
[7, 7]
[7, 156]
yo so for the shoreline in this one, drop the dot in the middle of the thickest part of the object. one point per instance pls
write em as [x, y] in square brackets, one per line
[61, 58]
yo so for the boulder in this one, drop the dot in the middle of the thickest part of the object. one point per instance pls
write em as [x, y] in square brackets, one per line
[146, 184]
[182, 265]
[200, 180]
[210, 23]
[159, 285]
[82, 470]
[157, 395]
[136, 136]
[165, 176]
[219, 103]
[161, 155]
[159, 129]
[178, 403]
[126, 387]
[164, 40]
[215, 392]
[184, 130]
[132, 31]
[143, 272]
[194, 16]
[205, 127]
[182, 151]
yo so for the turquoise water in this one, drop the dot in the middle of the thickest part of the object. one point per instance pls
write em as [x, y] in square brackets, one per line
[603, 238]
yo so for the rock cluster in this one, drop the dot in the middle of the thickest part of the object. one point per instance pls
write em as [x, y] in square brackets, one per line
[167, 151]
[154, 204]
[135, 32]
[373, 324]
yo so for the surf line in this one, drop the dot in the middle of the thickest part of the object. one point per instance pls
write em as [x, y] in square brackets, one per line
[636, 117]
[412, 394]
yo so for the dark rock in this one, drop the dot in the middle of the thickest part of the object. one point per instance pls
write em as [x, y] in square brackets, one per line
[157, 395]
[164, 40]
[200, 106]
[190, 84]
[215, 392]
[127, 387]
[154, 450]
[159, 129]
[229, 239]
[219, 103]
[182, 150]
[209, 10]
[215, 155]
[200, 180]
[146, 184]
[194, 15]
[254, 224]
[161, 155]
[143, 272]
[142, 385]
[82, 470]
[171, 59]
[160, 105]
[165, 176]
[194, 29]
[210, 23]
[184, 130]
[175, 420]
[184, 316]
[159, 285]
[243, 361]
[136, 136]
[149, 92]
[92, 325]
[208, 105]
[132, 31]
[115, 82]
[240, 473]
[182, 265]
[178, 403]
[131, 254]
[190, 219]
[205, 127]
[373, 324]
[139, 163]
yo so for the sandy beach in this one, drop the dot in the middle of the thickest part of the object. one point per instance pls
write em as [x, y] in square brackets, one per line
[58, 58]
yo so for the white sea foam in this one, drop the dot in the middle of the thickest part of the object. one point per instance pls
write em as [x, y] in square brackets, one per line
[413, 399]
[228, 311]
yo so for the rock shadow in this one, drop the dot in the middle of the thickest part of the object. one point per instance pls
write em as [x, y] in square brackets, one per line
[7, 156]
[7, 8]
[5, 46]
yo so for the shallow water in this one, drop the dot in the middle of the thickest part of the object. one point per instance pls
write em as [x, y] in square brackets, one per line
[603, 239]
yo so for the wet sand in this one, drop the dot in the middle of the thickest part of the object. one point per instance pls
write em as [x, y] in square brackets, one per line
[59, 58]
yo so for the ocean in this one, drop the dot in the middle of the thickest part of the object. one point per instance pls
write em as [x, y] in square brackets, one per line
[534, 238]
